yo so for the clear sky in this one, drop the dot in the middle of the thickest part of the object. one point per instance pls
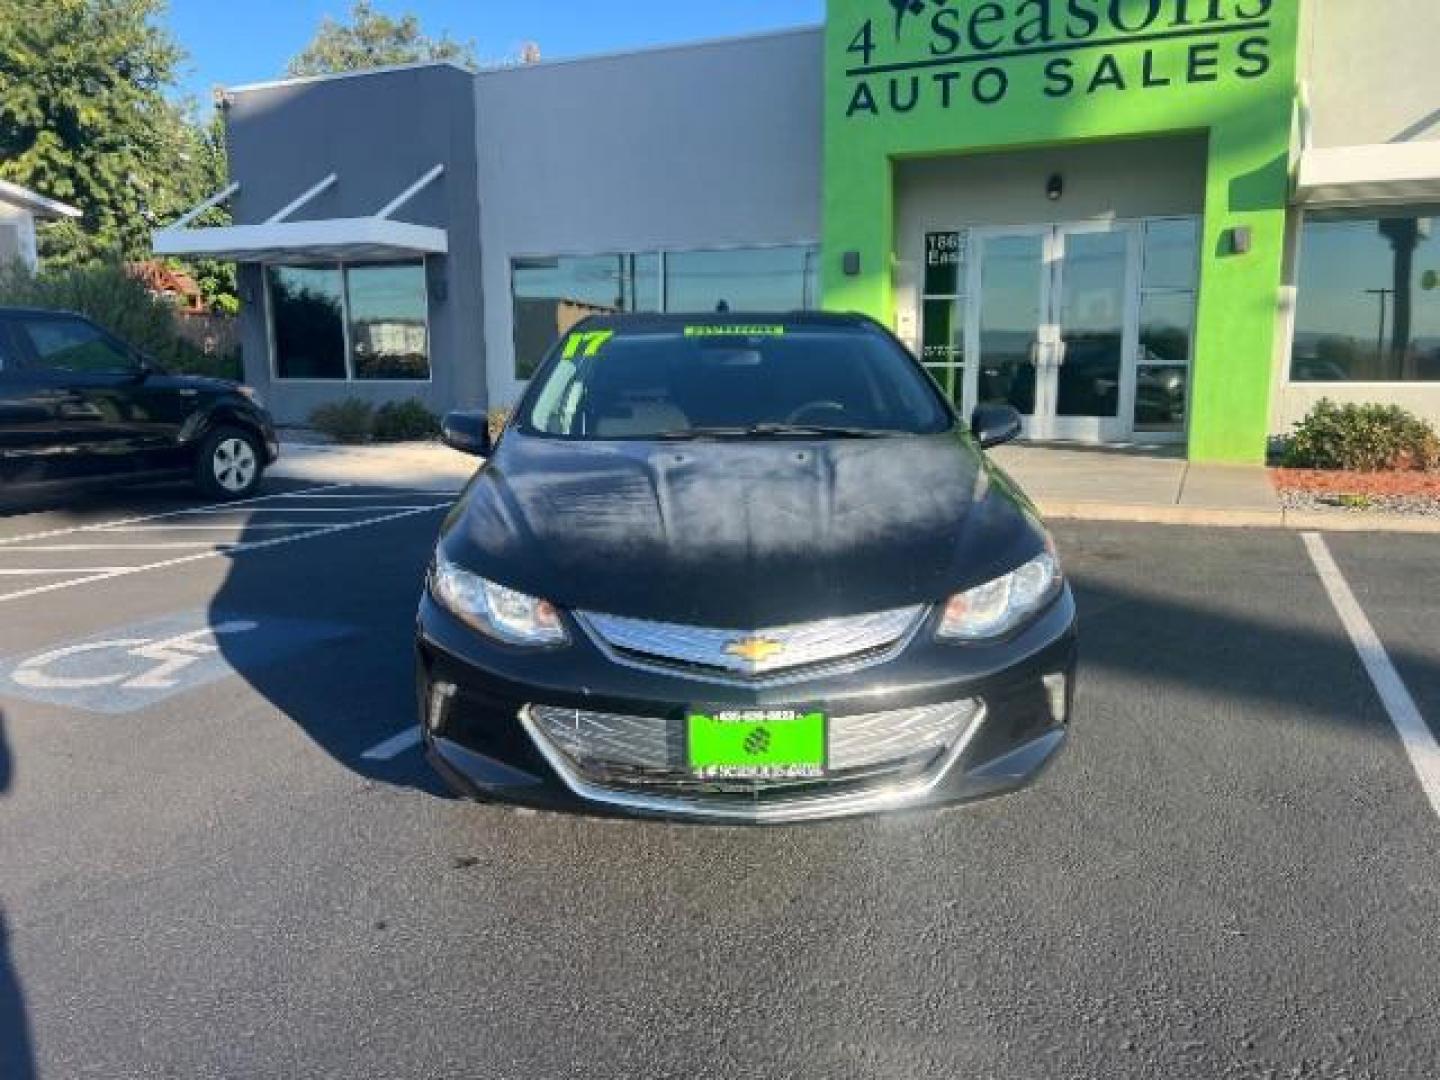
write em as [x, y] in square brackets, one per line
[252, 40]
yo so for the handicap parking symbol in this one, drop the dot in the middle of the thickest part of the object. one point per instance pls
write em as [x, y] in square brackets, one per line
[133, 667]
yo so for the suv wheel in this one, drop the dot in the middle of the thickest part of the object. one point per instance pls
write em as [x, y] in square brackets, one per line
[228, 465]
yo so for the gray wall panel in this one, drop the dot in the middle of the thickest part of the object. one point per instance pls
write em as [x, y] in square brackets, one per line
[1371, 69]
[379, 132]
[704, 146]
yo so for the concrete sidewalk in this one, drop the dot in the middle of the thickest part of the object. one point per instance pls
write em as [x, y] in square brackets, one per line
[420, 466]
[1158, 486]
[1150, 485]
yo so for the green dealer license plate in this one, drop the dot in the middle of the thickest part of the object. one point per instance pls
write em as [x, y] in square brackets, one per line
[757, 744]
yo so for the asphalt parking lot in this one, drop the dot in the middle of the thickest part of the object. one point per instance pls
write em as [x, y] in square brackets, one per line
[222, 855]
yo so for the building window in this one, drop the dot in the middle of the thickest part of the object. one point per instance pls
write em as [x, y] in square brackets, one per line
[1368, 301]
[1168, 287]
[762, 279]
[389, 331]
[307, 314]
[551, 295]
[943, 318]
[365, 322]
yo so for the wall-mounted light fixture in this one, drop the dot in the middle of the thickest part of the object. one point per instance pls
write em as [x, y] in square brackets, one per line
[1055, 187]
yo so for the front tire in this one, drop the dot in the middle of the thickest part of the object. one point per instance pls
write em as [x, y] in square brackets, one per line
[229, 464]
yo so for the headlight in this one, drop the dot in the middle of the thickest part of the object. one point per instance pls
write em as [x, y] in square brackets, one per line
[251, 393]
[997, 607]
[498, 612]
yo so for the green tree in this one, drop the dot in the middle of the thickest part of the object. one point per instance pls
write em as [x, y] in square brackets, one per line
[371, 39]
[84, 118]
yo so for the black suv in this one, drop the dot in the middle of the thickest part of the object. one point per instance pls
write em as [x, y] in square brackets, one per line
[77, 405]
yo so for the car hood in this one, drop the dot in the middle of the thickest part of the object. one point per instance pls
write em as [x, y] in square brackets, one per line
[742, 534]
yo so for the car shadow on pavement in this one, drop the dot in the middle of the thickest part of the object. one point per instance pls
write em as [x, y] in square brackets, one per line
[16, 1060]
[342, 609]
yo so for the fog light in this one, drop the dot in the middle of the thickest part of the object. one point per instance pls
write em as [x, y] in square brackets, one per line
[441, 694]
[1057, 689]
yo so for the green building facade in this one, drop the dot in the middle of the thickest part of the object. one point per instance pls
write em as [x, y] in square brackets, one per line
[910, 82]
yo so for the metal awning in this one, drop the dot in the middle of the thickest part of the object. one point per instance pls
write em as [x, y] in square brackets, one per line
[277, 239]
[1387, 174]
[34, 203]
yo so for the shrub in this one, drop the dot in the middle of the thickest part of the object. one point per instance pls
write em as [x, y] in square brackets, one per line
[348, 421]
[405, 421]
[1363, 438]
[107, 295]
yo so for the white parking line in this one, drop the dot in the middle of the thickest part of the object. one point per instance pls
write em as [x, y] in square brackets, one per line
[392, 748]
[62, 570]
[322, 509]
[237, 526]
[257, 545]
[178, 545]
[1415, 733]
[101, 525]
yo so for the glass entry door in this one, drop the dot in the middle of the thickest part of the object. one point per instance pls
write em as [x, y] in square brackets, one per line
[1053, 317]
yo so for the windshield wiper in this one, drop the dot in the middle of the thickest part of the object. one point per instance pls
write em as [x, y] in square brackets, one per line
[776, 431]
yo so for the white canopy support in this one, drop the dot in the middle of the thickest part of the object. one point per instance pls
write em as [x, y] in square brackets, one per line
[278, 239]
[1388, 174]
[410, 192]
[312, 193]
[213, 200]
[34, 203]
[331, 240]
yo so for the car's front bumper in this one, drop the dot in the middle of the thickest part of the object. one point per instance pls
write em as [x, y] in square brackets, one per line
[478, 704]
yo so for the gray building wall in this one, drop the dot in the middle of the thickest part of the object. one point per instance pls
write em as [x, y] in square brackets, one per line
[1370, 65]
[380, 132]
[1370, 72]
[703, 146]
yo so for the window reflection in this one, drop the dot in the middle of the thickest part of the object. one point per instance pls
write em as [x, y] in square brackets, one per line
[307, 321]
[551, 295]
[389, 336]
[763, 279]
[944, 345]
[1009, 315]
[1368, 303]
[1163, 378]
[1167, 324]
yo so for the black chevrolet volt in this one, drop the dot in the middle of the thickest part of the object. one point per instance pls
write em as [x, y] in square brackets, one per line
[741, 569]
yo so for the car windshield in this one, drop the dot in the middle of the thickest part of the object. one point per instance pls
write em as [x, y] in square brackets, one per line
[716, 381]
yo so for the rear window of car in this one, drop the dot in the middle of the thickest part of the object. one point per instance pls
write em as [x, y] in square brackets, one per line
[603, 383]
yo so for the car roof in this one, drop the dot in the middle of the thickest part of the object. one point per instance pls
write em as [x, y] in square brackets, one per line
[676, 322]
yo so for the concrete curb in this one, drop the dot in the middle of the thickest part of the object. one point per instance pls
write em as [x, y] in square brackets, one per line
[1228, 518]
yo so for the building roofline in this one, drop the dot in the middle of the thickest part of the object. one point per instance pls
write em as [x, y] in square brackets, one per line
[305, 80]
[564, 61]
[647, 50]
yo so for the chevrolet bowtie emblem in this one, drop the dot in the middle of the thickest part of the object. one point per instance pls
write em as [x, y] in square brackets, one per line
[754, 651]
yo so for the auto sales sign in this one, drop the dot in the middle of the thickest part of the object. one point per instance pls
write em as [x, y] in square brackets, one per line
[908, 56]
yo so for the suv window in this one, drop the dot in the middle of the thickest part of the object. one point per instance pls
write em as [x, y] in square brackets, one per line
[75, 346]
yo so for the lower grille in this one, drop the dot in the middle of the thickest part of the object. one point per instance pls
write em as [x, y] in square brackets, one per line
[649, 753]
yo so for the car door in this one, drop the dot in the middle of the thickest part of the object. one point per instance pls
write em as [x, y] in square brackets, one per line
[32, 441]
[88, 382]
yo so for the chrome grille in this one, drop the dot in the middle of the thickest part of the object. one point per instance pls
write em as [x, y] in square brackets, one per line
[651, 750]
[754, 654]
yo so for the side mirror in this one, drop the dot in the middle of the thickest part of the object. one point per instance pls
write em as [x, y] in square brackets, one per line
[995, 425]
[468, 432]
